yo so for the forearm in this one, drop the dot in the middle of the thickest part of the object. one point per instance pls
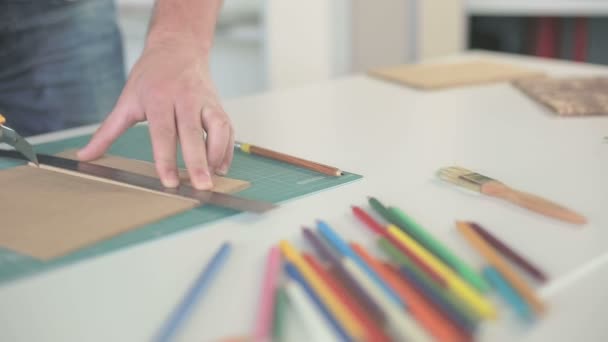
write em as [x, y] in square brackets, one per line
[189, 21]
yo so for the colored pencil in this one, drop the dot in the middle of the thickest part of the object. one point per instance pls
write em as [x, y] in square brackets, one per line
[235, 339]
[338, 310]
[328, 328]
[278, 322]
[472, 298]
[508, 293]
[342, 247]
[379, 208]
[377, 227]
[307, 164]
[263, 326]
[494, 259]
[373, 330]
[509, 253]
[364, 299]
[200, 285]
[434, 323]
[443, 301]
[427, 240]
[443, 328]
[369, 221]
[399, 325]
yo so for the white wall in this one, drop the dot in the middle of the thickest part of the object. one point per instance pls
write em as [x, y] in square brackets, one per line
[314, 40]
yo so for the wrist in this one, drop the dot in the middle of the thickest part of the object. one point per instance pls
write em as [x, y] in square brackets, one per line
[159, 37]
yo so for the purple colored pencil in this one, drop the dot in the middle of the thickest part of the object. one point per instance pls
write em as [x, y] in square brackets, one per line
[345, 278]
[509, 253]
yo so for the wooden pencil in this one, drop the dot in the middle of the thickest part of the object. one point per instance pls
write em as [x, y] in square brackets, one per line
[494, 259]
[303, 163]
[509, 253]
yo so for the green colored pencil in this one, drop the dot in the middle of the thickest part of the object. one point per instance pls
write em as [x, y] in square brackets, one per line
[410, 227]
[278, 321]
[379, 208]
[423, 237]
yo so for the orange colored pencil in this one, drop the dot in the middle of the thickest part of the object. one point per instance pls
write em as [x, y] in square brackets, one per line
[422, 311]
[373, 331]
[492, 257]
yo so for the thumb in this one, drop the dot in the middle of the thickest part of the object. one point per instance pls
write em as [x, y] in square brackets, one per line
[117, 122]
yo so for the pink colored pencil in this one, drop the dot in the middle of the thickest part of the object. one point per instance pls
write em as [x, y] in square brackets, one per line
[263, 326]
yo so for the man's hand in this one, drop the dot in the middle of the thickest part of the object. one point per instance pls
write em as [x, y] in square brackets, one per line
[171, 88]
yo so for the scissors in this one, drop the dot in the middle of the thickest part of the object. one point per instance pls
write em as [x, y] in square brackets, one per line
[9, 136]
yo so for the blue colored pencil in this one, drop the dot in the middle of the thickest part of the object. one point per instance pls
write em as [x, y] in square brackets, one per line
[508, 293]
[201, 284]
[295, 275]
[343, 248]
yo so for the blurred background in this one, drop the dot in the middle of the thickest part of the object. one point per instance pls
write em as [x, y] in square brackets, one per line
[270, 44]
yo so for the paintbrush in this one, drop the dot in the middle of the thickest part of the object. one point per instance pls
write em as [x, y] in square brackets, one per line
[491, 187]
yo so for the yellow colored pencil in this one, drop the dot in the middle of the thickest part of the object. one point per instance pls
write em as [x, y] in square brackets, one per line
[338, 310]
[494, 259]
[469, 296]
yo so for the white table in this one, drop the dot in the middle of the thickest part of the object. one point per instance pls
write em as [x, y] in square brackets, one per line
[397, 138]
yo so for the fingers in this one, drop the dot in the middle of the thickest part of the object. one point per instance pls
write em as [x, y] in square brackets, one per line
[163, 133]
[219, 138]
[117, 122]
[190, 129]
[228, 155]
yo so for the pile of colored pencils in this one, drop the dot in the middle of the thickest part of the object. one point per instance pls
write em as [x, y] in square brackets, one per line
[421, 291]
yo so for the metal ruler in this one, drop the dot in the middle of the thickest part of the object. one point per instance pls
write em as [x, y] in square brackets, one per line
[149, 183]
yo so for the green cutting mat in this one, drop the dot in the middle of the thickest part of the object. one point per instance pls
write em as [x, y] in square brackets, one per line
[270, 181]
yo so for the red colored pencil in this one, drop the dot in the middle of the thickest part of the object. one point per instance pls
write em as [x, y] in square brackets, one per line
[368, 220]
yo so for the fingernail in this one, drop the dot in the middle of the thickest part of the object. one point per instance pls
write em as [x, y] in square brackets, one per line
[79, 153]
[222, 170]
[202, 180]
[170, 180]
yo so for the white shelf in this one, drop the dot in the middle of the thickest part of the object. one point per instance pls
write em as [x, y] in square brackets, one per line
[538, 7]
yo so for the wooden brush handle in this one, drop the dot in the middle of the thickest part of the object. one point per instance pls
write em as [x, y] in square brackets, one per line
[532, 202]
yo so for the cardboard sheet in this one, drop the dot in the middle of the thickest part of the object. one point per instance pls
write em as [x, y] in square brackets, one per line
[436, 76]
[569, 96]
[47, 214]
